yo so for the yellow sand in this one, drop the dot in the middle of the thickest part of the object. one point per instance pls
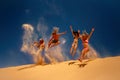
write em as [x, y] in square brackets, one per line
[98, 69]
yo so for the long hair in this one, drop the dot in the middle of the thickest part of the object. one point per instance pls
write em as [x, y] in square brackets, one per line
[76, 33]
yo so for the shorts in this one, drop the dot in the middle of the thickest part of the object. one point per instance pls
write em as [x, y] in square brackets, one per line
[54, 41]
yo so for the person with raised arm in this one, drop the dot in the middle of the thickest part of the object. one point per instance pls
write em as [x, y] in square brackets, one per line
[85, 39]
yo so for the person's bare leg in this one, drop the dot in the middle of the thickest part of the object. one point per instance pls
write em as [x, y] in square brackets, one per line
[55, 44]
[84, 51]
[75, 48]
[74, 51]
[82, 55]
[71, 49]
[49, 44]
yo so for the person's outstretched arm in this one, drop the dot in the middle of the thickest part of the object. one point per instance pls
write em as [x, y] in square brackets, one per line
[62, 33]
[71, 30]
[91, 33]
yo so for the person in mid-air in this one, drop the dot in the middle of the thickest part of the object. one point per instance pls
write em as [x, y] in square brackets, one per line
[54, 40]
[85, 39]
[75, 35]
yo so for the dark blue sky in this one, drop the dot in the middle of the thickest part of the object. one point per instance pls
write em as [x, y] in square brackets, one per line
[104, 15]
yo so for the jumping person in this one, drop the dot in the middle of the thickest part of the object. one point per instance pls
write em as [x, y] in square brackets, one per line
[85, 39]
[75, 35]
[54, 40]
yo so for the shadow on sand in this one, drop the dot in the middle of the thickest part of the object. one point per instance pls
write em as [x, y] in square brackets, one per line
[31, 66]
[83, 64]
[70, 63]
[26, 67]
[80, 64]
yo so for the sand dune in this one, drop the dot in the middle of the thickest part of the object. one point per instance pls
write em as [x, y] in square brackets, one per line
[98, 69]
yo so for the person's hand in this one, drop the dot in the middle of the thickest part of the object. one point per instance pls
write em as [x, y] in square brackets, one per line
[78, 31]
[93, 29]
[70, 26]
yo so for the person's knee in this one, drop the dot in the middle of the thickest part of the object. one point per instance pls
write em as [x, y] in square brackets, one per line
[58, 42]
